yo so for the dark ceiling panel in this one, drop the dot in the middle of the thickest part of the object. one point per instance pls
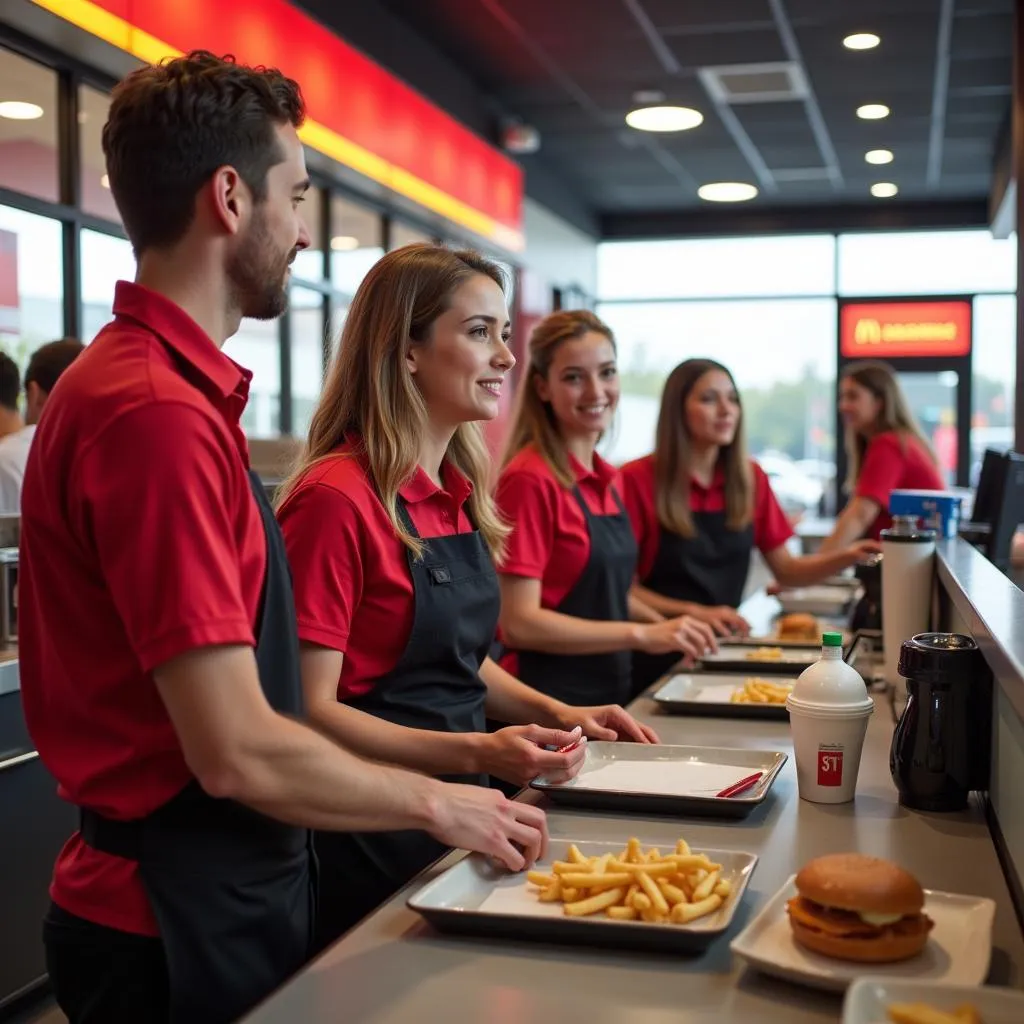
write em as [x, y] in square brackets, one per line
[571, 67]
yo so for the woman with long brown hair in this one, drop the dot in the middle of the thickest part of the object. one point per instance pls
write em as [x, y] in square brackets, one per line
[885, 450]
[699, 506]
[568, 621]
[391, 531]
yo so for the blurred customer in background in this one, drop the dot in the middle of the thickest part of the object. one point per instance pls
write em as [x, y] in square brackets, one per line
[44, 368]
[10, 387]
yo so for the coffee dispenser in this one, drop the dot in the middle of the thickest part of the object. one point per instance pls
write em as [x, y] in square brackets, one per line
[941, 749]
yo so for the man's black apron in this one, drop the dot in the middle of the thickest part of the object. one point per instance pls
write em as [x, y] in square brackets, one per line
[233, 891]
[709, 568]
[601, 594]
[435, 685]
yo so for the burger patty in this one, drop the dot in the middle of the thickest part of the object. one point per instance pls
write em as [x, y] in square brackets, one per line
[848, 924]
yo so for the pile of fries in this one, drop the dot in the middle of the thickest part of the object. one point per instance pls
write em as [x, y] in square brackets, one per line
[635, 885]
[765, 654]
[922, 1013]
[761, 691]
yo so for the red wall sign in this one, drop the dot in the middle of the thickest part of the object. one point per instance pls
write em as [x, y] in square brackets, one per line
[360, 114]
[879, 330]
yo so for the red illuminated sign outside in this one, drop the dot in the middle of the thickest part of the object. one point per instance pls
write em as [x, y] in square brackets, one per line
[359, 114]
[880, 330]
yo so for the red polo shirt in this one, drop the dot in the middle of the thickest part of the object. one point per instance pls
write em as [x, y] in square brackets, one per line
[895, 462]
[353, 589]
[549, 540]
[140, 541]
[771, 528]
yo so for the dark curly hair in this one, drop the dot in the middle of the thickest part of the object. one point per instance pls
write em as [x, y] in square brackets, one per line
[171, 125]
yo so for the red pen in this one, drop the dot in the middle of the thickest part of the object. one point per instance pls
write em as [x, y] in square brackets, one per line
[741, 787]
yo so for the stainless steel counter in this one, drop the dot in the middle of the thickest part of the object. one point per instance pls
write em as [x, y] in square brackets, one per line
[394, 968]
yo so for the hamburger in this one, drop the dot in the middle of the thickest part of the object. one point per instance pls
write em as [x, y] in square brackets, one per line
[852, 907]
[799, 626]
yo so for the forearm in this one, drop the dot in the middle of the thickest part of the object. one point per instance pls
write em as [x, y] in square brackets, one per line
[551, 632]
[806, 569]
[291, 773]
[641, 610]
[665, 606]
[849, 528]
[422, 750]
[512, 701]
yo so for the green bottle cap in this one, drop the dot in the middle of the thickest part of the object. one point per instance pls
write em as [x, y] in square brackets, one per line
[832, 639]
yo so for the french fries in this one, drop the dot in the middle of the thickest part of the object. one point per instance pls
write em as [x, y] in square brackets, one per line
[635, 885]
[922, 1013]
[761, 691]
[765, 654]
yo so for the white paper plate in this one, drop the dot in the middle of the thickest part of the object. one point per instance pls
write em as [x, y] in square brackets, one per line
[958, 951]
[867, 999]
[820, 600]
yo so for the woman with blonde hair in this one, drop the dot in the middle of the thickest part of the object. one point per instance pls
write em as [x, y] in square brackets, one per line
[390, 531]
[885, 450]
[568, 621]
[699, 505]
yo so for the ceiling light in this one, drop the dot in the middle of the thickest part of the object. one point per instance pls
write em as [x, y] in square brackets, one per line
[105, 181]
[884, 190]
[861, 41]
[664, 119]
[727, 192]
[873, 111]
[878, 156]
[344, 243]
[16, 110]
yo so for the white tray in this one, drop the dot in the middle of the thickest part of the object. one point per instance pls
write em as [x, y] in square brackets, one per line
[711, 694]
[654, 787]
[819, 600]
[475, 897]
[958, 951]
[867, 999]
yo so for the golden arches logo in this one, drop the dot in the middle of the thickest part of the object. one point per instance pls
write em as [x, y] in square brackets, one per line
[867, 332]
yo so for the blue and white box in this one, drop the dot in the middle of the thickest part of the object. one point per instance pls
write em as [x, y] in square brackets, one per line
[937, 510]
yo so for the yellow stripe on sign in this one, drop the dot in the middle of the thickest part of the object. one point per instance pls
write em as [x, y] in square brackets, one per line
[127, 37]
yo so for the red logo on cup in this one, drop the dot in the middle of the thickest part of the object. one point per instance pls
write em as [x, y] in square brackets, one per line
[830, 766]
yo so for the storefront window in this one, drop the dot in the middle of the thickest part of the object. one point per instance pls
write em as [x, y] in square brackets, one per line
[31, 283]
[782, 354]
[106, 259]
[93, 106]
[405, 234]
[926, 263]
[356, 242]
[717, 267]
[993, 360]
[28, 127]
[307, 322]
[257, 347]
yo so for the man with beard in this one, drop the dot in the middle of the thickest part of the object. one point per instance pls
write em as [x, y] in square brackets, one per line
[158, 647]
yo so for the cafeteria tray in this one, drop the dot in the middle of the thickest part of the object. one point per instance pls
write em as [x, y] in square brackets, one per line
[639, 778]
[740, 658]
[476, 897]
[711, 695]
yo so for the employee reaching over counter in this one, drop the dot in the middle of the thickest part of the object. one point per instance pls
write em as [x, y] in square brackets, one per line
[159, 659]
[886, 450]
[699, 506]
[390, 530]
[569, 622]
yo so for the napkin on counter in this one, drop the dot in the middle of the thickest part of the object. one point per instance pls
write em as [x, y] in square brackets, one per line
[668, 778]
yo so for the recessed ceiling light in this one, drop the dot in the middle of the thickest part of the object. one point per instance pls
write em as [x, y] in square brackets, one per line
[16, 110]
[884, 190]
[664, 119]
[105, 181]
[873, 111]
[727, 192]
[344, 243]
[861, 41]
[878, 156]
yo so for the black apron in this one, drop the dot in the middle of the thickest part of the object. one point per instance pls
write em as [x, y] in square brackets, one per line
[435, 685]
[233, 891]
[601, 594]
[709, 568]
